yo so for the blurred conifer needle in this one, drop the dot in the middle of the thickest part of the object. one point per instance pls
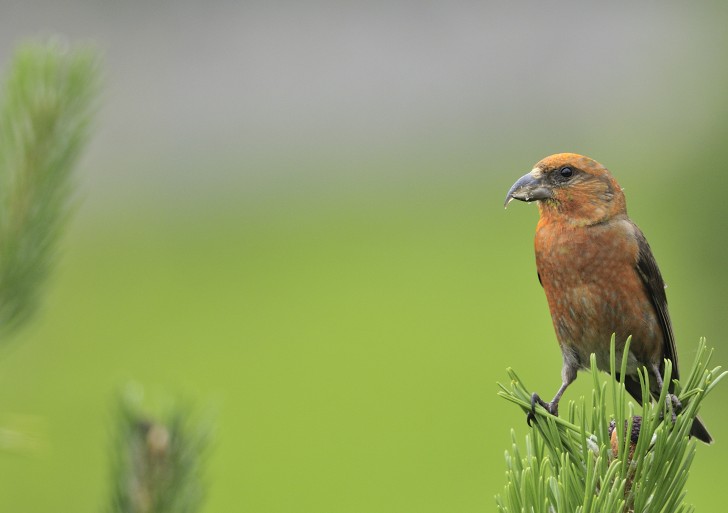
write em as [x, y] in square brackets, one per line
[45, 113]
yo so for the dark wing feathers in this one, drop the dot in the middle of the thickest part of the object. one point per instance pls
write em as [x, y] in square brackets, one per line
[655, 287]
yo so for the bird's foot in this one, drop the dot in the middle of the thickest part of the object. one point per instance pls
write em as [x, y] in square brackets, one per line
[552, 408]
[674, 405]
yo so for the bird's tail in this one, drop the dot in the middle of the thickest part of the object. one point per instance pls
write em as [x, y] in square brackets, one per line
[700, 432]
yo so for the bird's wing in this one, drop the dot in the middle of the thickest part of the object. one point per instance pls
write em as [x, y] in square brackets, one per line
[655, 287]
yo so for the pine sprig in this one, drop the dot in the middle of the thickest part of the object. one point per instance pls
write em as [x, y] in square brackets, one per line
[584, 462]
[45, 114]
[157, 460]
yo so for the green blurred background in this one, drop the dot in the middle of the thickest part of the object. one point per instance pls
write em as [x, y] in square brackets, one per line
[291, 214]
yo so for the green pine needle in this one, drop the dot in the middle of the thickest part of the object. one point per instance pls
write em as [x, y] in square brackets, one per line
[45, 113]
[158, 461]
[570, 464]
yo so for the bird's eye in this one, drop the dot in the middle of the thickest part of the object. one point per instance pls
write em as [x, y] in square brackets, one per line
[566, 171]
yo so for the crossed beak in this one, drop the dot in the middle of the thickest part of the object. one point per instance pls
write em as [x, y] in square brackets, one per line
[528, 188]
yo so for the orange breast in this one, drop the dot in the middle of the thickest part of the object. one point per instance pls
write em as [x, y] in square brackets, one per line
[593, 289]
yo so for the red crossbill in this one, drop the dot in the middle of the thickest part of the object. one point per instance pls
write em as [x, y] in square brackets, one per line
[599, 275]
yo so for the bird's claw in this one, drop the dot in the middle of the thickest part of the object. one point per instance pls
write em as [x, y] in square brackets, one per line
[674, 405]
[552, 408]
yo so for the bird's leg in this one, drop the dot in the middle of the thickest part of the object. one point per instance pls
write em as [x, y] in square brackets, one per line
[568, 375]
[673, 403]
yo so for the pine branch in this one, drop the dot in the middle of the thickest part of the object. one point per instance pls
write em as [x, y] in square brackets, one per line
[157, 462]
[584, 462]
[45, 113]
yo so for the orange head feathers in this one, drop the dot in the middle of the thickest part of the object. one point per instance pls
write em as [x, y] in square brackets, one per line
[572, 188]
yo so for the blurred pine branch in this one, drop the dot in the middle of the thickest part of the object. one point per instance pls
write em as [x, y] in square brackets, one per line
[581, 462]
[45, 114]
[157, 462]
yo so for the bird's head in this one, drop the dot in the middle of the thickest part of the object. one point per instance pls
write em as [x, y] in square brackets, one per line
[570, 187]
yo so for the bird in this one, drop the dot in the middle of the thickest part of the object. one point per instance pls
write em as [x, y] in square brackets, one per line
[599, 276]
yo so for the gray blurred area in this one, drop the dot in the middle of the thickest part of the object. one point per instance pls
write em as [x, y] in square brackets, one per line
[203, 96]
